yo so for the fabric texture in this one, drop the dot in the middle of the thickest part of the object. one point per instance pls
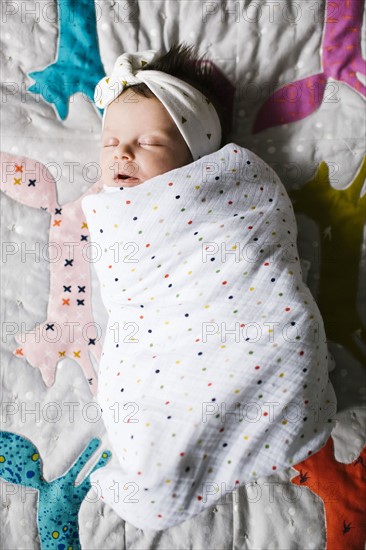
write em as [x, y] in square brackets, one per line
[59, 500]
[192, 112]
[340, 486]
[214, 369]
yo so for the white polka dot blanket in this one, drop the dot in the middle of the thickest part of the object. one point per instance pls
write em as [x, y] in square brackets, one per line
[214, 369]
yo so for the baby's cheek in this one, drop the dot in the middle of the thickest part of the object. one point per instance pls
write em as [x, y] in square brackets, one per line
[184, 155]
[106, 163]
[101, 163]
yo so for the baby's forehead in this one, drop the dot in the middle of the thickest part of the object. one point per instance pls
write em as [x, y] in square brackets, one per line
[164, 127]
[140, 108]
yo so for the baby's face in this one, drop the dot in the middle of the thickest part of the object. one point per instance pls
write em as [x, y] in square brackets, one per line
[140, 140]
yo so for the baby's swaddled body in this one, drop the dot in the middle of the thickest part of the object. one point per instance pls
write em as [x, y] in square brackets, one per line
[214, 368]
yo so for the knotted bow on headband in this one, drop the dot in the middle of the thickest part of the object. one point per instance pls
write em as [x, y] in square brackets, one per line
[192, 112]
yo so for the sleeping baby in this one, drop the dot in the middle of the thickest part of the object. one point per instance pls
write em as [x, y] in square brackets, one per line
[214, 369]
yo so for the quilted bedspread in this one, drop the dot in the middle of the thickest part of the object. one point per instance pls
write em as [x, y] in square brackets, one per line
[296, 99]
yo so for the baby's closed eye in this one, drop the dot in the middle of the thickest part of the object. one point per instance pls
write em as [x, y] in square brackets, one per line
[150, 144]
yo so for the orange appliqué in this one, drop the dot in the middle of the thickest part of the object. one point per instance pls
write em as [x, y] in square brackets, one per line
[342, 488]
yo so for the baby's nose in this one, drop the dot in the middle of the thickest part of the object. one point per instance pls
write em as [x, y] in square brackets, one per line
[123, 152]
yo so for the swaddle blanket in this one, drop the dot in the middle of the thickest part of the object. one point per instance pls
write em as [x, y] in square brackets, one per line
[214, 369]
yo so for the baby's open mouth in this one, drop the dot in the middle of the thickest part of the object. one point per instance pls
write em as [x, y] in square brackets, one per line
[124, 177]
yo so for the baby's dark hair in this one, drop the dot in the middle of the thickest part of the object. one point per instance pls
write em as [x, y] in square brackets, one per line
[181, 61]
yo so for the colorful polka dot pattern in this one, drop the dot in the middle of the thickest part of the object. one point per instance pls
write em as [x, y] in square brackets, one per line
[214, 368]
[59, 500]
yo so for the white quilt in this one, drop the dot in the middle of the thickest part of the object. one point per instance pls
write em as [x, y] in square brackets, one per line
[214, 370]
[287, 46]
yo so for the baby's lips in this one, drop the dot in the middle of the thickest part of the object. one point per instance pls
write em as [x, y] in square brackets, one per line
[129, 179]
[129, 169]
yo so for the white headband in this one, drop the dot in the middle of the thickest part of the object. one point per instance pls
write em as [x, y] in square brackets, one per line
[192, 112]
